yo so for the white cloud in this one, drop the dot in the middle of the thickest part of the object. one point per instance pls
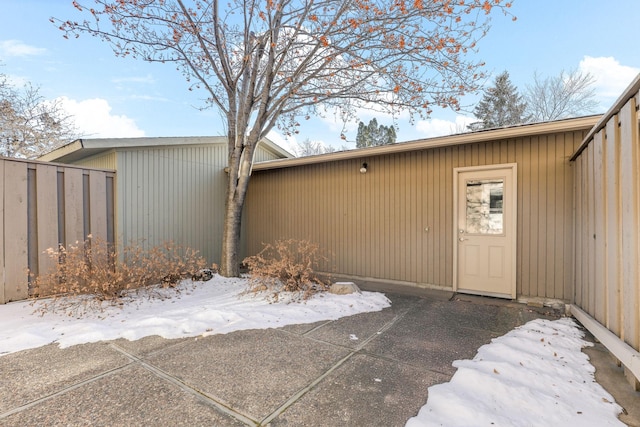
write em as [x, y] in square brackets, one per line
[438, 127]
[93, 118]
[612, 78]
[18, 48]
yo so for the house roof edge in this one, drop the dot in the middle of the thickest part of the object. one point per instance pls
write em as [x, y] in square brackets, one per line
[565, 125]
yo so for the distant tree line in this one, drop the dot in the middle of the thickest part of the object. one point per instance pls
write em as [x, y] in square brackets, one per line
[373, 134]
[553, 98]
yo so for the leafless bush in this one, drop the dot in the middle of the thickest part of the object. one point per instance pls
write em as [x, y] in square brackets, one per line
[89, 274]
[287, 266]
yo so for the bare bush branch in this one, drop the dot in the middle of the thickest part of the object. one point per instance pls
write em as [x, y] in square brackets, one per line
[287, 266]
[89, 274]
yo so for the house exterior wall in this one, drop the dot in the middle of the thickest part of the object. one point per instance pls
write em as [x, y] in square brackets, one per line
[262, 155]
[375, 224]
[172, 193]
[607, 222]
[104, 161]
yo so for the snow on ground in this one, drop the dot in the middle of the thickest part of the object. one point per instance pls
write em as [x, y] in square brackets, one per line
[535, 375]
[214, 307]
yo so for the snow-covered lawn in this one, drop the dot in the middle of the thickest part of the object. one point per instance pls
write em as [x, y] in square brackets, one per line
[214, 307]
[535, 375]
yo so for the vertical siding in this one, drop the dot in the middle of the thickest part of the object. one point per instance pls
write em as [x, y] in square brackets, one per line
[262, 154]
[607, 223]
[396, 221]
[172, 193]
[102, 161]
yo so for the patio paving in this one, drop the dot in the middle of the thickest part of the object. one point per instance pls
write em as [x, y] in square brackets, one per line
[371, 369]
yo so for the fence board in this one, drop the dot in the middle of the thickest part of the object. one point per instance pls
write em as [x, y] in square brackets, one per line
[3, 297]
[590, 238]
[15, 231]
[46, 214]
[98, 204]
[578, 255]
[613, 229]
[599, 282]
[73, 211]
[630, 179]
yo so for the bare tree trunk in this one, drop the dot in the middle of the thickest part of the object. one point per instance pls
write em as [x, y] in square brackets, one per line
[231, 238]
[240, 161]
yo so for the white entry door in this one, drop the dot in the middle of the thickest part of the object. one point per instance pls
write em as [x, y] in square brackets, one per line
[485, 234]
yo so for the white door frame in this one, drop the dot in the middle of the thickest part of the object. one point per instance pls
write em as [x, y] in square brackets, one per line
[511, 217]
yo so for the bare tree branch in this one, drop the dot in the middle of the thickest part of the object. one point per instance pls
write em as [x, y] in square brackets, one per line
[565, 95]
[266, 63]
[29, 124]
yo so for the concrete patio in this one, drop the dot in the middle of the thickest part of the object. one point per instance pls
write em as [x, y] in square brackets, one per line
[371, 369]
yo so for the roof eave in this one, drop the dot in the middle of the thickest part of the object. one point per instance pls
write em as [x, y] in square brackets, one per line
[82, 148]
[63, 151]
[566, 125]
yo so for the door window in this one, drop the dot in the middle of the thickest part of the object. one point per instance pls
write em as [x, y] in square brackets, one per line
[484, 212]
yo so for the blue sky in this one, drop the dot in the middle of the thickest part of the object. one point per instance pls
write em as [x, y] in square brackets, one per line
[116, 97]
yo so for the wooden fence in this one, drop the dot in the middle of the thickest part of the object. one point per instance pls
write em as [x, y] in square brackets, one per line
[607, 229]
[43, 205]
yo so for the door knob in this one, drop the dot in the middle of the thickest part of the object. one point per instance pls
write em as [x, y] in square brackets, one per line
[462, 239]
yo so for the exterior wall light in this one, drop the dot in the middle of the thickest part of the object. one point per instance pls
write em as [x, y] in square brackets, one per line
[363, 168]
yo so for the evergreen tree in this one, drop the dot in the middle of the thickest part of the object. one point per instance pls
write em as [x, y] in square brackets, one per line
[501, 105]
[391, 135]
[373, 134]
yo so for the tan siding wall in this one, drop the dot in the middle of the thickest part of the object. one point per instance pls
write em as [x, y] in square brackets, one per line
[607, 226]
[103, 161]
[172, 193]
[375, 224]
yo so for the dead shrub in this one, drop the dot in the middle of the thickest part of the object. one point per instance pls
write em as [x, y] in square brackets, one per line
[287, 266]
[89, 274]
